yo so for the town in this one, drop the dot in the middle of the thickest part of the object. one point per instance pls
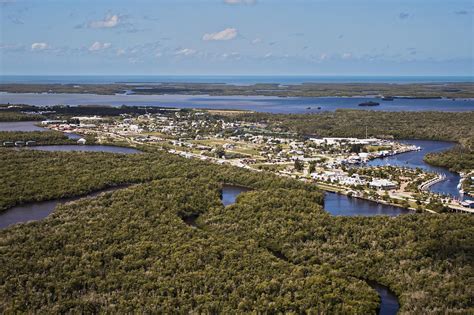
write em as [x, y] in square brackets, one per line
[341, 165]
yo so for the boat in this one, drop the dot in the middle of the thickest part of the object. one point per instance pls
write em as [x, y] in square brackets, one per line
[308, 107]
[369, 103]
[387, 98]
[319, 107]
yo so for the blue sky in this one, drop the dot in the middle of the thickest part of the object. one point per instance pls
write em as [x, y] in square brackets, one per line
[332, 37]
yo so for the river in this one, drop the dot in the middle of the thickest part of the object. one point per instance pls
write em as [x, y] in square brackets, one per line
[30, 126]
[414, 159]
[230, 193]
[338, 204]
[388, 300]
[342, 205]
[34, 211]
[270, 104]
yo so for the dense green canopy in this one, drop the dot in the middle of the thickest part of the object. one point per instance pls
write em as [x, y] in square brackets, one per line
[275, 250]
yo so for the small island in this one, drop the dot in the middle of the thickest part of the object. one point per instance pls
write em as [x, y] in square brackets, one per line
[369, 103]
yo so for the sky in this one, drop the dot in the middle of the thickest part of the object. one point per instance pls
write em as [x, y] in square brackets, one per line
[237, 37]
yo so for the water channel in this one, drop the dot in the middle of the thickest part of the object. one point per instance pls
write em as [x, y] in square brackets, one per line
[34, 211]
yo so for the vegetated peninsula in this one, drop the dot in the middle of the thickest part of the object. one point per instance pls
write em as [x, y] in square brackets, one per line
[275, 250]
[407, 90]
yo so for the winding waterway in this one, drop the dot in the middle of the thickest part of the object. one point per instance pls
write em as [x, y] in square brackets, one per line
[230, 193]
[342, 205]
[34, 211]
[388, 300]
[31, 126]
[414, 159]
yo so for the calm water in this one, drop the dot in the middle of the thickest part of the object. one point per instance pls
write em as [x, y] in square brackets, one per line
[415, 160]
[31, 126]
[20, 126]
[39, 210]
[84, 148]
[235, 79]
[388, 300]
[254, 103]
[230, 193]
[341, 205]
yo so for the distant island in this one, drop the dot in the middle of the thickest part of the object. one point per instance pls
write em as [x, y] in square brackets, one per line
[369, 103]
[379, 90]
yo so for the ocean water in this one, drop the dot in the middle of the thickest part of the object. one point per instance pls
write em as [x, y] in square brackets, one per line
[269, 104]
[226, 79]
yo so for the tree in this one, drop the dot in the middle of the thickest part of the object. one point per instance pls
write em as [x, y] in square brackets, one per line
[219, 152]
[299, 165]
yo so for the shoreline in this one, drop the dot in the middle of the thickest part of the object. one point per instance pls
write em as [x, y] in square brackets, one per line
[262, 96]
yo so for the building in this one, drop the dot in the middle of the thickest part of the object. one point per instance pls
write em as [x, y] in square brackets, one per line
[81, 141]
[384, 184]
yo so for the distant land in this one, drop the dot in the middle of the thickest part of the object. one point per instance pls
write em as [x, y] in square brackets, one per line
[228, 79]
[400, 90]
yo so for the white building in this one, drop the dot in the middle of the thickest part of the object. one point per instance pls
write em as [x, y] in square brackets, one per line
[383, 184]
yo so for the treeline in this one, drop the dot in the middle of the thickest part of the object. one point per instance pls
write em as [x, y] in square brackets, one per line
[80, 110]
[354, 123]
[53, 175]
[274, 251]
[40, 137]
[18, 116]
[457, 159]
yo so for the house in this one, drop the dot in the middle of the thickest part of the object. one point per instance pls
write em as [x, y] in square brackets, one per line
[228, 146]
[81, 141]
[384, 184]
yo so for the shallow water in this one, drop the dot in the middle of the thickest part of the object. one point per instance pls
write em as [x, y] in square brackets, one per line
[388, 300]
[255, 103]
[21, 126]
[415, 160]
[342, 205]
[230, 193]
[39, 210]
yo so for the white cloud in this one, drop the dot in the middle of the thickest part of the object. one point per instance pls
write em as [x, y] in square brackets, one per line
[323, 56]
[240, 1]
[108, 22]
[39, 46]
[185, 52]
[346, 55]
[268, 55]
[121, 52]
[233, 55]
[96, 46]
[256, 41]
[227, 34]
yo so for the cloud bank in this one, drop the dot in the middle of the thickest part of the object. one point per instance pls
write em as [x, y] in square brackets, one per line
[227, 34]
